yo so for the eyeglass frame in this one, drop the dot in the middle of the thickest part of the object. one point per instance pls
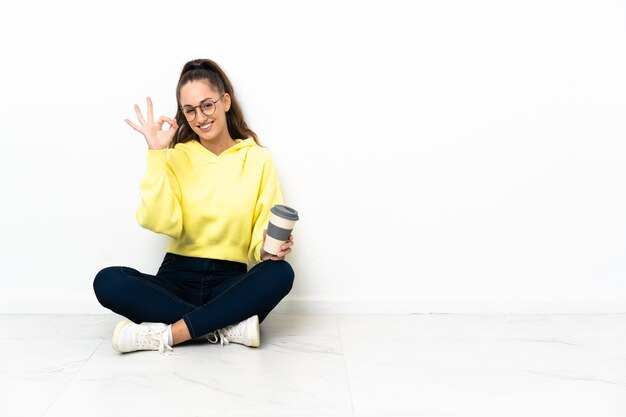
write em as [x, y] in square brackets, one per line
[199, 106]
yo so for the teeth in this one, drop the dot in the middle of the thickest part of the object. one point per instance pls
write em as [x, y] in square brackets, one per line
[206, 126]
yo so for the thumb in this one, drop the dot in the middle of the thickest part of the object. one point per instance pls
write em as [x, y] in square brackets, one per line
[173, 125]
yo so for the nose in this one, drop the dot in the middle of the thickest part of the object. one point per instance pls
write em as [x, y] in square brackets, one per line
[199, 115]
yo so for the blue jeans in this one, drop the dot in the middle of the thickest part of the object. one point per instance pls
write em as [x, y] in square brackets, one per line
[208, 294]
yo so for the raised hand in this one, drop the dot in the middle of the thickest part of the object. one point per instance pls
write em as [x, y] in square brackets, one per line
[156, 137]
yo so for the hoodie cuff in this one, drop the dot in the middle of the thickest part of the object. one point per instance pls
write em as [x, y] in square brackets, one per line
[156, 158]
[257, 252]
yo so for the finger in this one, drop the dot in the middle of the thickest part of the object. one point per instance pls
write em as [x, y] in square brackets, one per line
[134, 126]
[173, 126]
[140, 116]
[150, 116]
[164, 119]
[283, 252]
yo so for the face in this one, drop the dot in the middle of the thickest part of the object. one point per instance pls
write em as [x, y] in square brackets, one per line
[212, 128]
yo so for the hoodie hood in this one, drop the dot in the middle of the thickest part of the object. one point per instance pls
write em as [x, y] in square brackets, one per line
[200, 155]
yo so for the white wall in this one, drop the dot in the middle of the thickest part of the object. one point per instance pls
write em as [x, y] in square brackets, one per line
[472, 154]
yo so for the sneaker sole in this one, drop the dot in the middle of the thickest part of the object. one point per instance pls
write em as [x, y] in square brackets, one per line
[116, 334]
[254, 338]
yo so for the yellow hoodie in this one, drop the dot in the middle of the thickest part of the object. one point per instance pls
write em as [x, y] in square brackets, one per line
[212, 206]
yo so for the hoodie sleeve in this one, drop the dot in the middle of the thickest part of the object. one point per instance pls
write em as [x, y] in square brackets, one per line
[270, 194]
[160, 209]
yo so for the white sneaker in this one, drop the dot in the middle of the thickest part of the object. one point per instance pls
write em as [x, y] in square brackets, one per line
[129, 337]
[245, 332]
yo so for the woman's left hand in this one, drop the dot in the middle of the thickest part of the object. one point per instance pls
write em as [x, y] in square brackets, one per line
[284, 249]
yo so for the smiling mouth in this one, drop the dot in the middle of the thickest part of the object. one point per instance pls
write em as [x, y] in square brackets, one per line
[206, 126]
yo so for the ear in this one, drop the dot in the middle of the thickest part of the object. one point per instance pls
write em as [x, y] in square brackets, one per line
[226, 101]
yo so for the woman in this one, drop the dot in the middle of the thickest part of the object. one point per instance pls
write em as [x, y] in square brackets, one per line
[209, 185]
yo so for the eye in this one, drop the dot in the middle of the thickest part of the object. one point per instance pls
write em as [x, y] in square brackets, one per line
[207, 106]
[188, 110]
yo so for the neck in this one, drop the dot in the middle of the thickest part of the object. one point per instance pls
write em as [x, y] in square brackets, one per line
[219, 144]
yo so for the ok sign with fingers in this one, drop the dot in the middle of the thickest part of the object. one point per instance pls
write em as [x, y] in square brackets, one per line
[156, 137]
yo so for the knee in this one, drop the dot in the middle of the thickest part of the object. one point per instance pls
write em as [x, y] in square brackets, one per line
[105, 283]
[284, 273]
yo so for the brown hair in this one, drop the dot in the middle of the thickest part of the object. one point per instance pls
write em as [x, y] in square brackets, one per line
[209, 71]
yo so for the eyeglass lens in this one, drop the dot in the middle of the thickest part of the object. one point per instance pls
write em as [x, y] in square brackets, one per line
[206, 108]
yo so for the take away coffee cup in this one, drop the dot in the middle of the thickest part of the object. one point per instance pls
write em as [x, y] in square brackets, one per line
[282, 221]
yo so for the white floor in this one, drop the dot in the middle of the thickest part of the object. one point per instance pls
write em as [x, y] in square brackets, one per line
[324, 365]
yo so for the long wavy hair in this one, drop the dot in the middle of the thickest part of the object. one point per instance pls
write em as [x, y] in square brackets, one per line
[209, 71]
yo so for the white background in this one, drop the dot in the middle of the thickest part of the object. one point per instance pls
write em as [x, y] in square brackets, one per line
[445, 156]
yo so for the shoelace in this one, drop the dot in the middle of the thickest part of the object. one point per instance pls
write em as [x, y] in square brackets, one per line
[152, 336]
[163, 347]
[227, 333]
[219, 336]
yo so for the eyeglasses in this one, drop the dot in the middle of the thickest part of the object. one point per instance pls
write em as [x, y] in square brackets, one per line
[207, 107]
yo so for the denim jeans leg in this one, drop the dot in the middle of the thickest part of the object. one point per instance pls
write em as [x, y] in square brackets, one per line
[257, 291]
[139, 297]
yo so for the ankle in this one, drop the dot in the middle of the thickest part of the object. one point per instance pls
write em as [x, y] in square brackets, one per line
[179, 332]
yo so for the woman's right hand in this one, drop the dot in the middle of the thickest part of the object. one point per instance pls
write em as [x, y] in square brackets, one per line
[156, 137]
